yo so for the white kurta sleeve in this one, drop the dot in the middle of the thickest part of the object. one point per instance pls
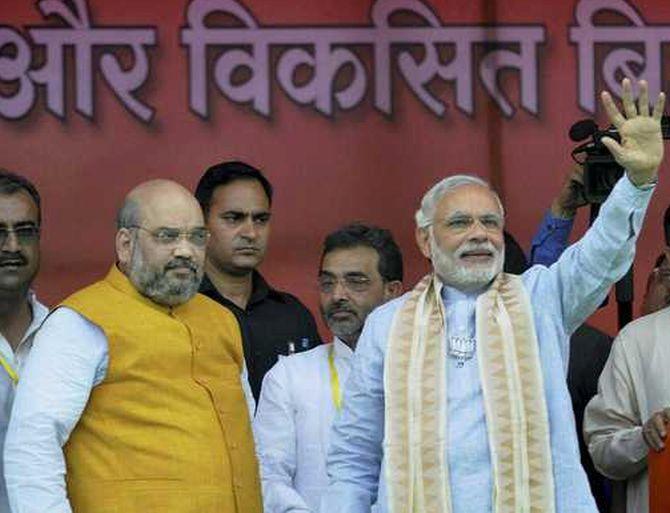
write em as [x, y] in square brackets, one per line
[275, 433]
[612, 421]
[68, 358]
[583, 275]
[246, 389]
[355, 452]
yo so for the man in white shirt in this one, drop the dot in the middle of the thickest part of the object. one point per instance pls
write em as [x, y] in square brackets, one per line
[20, 312]
[628, 418]
[361, 268]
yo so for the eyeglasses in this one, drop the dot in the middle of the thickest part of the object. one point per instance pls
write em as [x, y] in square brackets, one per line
[25, 234]
[462, 223]
[169, 236]
[353, 283]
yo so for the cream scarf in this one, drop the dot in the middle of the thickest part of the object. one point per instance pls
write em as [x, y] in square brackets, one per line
[415, 384]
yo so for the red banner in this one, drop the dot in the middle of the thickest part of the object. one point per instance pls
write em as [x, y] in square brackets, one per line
[353, 109]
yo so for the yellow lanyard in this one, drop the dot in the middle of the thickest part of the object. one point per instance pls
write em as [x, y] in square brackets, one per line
[334, 379]
[12, 373]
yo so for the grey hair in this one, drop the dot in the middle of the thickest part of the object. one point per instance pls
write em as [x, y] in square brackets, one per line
[128, 215]
[424, 216]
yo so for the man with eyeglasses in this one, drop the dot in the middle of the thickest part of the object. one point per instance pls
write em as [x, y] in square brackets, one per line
[236, 199]
[133, 399]
[20, 312]
[361, 268]
[457, 399]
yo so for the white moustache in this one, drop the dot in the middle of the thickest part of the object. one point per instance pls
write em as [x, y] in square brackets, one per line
[476, 246]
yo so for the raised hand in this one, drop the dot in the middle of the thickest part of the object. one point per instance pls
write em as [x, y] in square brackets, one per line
[641, 149]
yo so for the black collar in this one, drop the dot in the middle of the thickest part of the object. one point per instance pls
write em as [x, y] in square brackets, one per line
[260, 290]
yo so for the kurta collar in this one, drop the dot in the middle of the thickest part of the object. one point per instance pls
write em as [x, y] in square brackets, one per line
[452, 295]
[39, 313]
[342, 350]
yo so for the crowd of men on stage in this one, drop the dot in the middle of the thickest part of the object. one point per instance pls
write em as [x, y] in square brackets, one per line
[183, 382]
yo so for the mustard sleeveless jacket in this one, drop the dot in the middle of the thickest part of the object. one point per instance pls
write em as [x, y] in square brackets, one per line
[167, 431]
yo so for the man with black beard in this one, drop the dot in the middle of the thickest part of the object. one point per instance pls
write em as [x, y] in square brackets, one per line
[20, 312]
[133, 398]
[361, 268]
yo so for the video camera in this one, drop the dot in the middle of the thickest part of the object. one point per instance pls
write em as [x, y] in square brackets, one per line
[601, 172]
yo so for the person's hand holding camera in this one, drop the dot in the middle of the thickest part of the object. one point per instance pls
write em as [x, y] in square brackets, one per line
[571, 195]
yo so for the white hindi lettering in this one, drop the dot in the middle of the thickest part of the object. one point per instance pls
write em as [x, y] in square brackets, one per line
[15, 69]
[83, 37]
[198, 38]
[617, 38]
[326, 51]
[329, 68]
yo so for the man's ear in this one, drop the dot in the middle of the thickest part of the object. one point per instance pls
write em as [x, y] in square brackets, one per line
[124, 243]
[423, 240]
[392, 289]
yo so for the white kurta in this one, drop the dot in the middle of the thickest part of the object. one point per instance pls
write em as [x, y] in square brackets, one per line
[292, 427]
[16, 360]
[562, 296]
[634, 384]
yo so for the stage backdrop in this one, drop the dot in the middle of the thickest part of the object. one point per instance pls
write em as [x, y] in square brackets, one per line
[353, 108]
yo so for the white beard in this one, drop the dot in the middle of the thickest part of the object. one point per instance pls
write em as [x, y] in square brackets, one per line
[467, 279]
